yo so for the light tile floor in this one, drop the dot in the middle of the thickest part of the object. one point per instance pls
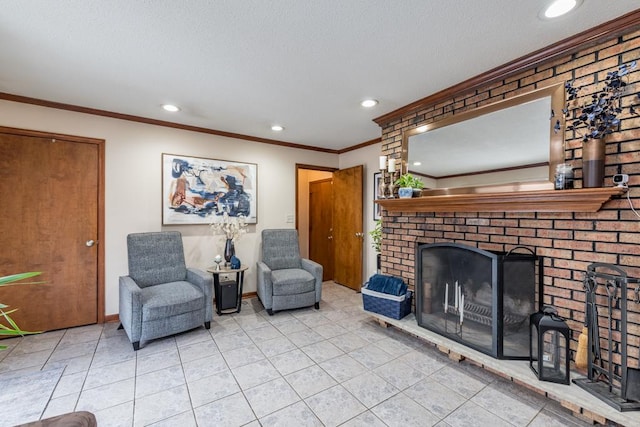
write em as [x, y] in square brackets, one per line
[328, 367]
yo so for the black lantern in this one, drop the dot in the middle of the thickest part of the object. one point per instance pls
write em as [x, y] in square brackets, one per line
[549, 346]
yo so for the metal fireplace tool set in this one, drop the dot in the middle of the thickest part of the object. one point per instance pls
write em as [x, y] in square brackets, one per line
[615, 383]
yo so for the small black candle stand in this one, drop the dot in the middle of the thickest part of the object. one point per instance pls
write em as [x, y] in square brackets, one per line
[549, 346]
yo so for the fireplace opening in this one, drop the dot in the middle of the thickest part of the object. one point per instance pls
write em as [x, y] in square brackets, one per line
[479, 298]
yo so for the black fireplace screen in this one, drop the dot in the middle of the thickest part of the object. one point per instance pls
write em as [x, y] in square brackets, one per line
[482, 299]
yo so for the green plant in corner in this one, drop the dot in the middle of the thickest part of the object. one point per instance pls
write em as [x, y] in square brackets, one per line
[11, 328]
[407, 180]
[376, 236]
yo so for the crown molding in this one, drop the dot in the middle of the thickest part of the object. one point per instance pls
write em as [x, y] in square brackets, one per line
[145, 120]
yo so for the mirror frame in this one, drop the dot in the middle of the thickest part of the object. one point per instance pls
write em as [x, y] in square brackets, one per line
[556, 141]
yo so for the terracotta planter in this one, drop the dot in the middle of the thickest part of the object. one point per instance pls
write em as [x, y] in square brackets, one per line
[593, 155]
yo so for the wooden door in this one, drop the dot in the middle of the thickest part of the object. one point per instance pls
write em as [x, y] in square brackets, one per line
[321, 225]
[347, 226]
[51, 188]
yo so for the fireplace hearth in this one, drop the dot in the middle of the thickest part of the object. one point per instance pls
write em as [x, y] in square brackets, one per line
[479, 298]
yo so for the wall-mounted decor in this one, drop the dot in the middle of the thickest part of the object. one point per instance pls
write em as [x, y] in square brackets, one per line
[377, 209]
[197, 190]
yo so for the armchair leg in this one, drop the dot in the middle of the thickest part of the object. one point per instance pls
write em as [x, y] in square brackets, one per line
[317, 306]
[270, 311]
[136, 346]
[207, 325]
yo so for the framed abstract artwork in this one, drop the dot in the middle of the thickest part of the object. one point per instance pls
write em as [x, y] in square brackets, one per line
[198, 190]
[377, 209]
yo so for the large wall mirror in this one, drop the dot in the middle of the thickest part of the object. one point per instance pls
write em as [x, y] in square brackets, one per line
[511, 145]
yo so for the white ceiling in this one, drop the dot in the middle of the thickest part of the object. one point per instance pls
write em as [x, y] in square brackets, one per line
[242, 65]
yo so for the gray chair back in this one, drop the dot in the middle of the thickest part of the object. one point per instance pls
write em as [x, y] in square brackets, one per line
[280, 249]
[156, 257]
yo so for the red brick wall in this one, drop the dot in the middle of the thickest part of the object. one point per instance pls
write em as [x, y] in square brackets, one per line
[568, 241]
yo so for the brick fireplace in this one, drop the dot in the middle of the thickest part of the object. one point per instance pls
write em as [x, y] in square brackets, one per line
[568, 241]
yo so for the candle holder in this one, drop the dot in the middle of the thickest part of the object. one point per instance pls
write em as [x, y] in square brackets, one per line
[382, 190]
[392, 185]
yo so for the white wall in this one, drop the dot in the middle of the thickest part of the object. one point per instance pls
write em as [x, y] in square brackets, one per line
[369, 157]
[133, 182]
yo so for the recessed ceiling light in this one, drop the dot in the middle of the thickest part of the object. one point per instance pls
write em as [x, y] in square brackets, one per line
[368, 103]
[277, 128]
[171, 108]
[559, 7]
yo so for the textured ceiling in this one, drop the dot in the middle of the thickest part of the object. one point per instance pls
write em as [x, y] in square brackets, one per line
[242, 65]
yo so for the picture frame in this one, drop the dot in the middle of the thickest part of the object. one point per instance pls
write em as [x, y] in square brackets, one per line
[377, 209]
[198, 190]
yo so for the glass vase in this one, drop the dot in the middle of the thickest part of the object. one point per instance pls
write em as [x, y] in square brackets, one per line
[229, 250]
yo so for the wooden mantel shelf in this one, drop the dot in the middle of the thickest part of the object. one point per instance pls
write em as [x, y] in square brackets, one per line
[577, 200]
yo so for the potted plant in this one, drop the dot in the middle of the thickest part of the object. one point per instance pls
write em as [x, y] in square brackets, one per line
[407, 183]
[11, 328]
[376, 241]
[597, 117]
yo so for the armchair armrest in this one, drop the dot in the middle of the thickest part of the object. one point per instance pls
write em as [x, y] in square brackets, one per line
[316, 271]
[130, 309]
[265, 286]
[205, 282]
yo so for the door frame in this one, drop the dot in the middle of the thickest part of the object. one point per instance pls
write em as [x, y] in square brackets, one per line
[308, 167]
[300, 166]
[100, 143]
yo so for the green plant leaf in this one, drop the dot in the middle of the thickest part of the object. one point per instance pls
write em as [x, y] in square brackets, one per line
[11, 279]
[13, 329]
[376, 236]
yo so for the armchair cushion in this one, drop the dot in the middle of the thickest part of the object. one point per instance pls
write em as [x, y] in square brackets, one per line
[292, 281]
[170, 299]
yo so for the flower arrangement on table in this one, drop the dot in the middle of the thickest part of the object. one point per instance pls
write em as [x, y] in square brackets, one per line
[231, 226]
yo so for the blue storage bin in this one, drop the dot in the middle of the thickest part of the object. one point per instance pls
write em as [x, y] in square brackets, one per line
[395, 307]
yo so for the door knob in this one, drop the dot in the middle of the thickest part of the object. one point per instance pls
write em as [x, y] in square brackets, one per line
[89, 243]
[330, 237]
[359, 234]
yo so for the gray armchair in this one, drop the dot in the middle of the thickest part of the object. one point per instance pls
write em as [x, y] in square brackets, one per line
[285, 280]
[161, 296]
